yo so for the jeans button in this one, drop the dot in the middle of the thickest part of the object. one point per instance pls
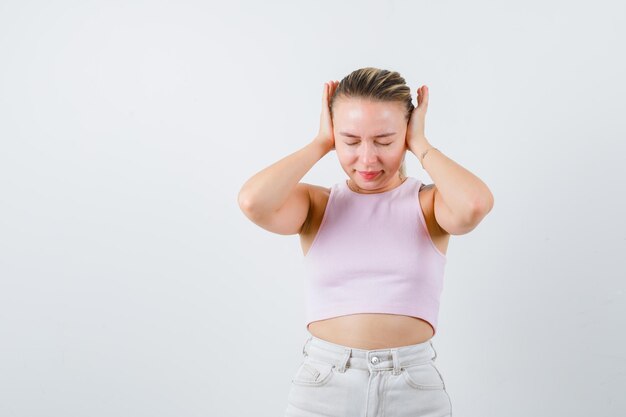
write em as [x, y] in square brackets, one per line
[374, 359]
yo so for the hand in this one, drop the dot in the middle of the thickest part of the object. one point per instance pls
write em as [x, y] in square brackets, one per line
[415, 128]
[326, 135]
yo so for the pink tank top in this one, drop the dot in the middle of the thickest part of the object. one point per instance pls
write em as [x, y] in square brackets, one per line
[373, 254]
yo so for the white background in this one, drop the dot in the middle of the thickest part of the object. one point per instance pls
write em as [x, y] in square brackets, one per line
[131, 283]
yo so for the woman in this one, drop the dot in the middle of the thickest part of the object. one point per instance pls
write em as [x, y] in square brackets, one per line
[375, 249]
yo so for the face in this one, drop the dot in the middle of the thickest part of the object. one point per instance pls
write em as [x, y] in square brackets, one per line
[370, 136]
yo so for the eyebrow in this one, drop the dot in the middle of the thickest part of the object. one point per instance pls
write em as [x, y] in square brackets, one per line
[382, 135]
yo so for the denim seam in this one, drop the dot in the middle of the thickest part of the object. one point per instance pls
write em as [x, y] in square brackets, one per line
[416, 385]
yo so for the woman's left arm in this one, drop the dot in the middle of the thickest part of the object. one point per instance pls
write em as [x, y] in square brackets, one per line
[466, 199]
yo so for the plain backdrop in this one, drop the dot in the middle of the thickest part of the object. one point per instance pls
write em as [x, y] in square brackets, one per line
[131, 284]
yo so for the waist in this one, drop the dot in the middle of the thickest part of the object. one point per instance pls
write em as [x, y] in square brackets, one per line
[381, 358]
[372, 330]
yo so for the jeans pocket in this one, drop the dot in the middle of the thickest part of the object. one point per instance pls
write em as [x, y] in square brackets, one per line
[313, 372]
[423, 376]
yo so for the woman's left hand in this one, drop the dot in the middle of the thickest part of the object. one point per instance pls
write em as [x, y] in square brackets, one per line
[415, 128]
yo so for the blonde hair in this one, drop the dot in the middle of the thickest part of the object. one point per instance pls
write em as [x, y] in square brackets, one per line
[378, 85]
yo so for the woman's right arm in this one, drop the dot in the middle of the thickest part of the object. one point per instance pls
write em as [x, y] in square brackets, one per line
[274, 198]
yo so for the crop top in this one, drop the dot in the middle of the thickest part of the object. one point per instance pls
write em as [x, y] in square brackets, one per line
[373, 254]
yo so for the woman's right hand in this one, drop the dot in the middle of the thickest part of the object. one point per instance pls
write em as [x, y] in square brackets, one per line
[326, 135]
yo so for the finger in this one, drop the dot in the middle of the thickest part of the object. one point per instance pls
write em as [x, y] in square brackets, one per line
[330, 93]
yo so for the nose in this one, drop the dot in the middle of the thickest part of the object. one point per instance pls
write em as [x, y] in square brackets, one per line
[368, 154]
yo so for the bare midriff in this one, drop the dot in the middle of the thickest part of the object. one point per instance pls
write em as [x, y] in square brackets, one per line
[372, 330]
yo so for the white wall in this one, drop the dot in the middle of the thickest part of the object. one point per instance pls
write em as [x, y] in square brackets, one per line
[130, 282]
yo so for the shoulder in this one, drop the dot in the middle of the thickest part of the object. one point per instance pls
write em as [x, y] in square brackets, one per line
[426, 198]
[316, 192]
[318, 198]
[424, 187]
[317, 188]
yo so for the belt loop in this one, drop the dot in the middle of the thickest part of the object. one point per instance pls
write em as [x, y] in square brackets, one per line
[344, 360]
[304, 352]
[433, 347]
[396, 362]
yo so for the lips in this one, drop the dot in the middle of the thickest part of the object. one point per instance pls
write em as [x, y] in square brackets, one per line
[368, 175]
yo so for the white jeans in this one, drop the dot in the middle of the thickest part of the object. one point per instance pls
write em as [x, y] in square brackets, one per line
[338, 381]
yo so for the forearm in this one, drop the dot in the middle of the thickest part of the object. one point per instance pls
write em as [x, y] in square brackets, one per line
[269, 189]
[463, 192]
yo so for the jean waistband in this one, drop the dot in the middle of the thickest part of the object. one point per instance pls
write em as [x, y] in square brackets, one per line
[375, 359]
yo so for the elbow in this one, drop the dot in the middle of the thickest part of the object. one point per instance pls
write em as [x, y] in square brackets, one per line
[482, 206]
[251, 207]
[245, 202]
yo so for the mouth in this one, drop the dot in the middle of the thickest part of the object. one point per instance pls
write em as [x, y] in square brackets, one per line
[368, 175]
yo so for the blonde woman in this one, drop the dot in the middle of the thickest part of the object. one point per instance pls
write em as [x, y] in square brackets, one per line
[374, 247]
